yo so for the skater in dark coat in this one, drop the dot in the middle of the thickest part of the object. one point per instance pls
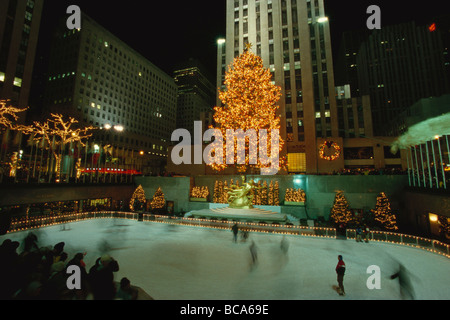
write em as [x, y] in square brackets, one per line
[406, 289]
[253, 253]
[235, 230]
[340, 271]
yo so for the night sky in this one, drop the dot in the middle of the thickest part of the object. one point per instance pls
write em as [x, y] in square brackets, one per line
[169, 32]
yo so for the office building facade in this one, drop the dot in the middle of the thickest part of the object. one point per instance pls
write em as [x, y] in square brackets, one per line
[399, 65]
[19, 29]
[196, 95]
[102, 82]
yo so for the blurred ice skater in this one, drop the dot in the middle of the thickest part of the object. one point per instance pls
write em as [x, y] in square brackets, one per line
[284, 246]
[406, 289]
[254, 253]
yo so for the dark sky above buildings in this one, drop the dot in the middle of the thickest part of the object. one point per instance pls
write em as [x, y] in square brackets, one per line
[170, 32]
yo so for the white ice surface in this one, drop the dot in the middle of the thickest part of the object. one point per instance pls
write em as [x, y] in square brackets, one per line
[188, 263]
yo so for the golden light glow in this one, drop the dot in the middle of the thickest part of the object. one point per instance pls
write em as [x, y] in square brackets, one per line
[200, 192]
[340, 213]
[249, 102]
[158, 201]
[137, 198]
[383, 213]
[336, 153]
[9, 114]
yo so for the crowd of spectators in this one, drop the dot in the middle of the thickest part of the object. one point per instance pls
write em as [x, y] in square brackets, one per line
[41, 273]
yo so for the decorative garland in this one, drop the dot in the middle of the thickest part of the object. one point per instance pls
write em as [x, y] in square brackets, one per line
[330, 144]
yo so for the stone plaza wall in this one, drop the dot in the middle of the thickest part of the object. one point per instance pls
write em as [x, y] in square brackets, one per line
[361, 191]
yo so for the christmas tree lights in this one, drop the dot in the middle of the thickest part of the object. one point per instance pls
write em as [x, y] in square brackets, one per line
[249, 103]
[340, 213]
[383, 213]
[138, 199]
[158, 201]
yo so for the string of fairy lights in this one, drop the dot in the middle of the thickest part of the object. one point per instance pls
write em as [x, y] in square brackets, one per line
[26, 224]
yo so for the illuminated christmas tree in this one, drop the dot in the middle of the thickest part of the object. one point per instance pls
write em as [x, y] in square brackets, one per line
[383, 213]
[276, 194]
[158, 201]
[264, 195]
[138, 199]
[270, 195]
[249, 102]
[444, 226]
[216, 192]
[340, 213]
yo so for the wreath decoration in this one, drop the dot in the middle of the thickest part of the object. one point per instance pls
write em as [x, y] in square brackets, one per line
[330, 145]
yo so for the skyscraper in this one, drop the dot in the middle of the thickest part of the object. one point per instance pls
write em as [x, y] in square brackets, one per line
[293, 38]
[399, 65]
[19, 29]
[196, 94]
[101, 81]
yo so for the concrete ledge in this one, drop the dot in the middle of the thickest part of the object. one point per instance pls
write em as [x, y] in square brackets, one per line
[254, 215]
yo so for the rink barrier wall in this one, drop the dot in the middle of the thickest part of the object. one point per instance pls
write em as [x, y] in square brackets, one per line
[22, 224]
[430, 245]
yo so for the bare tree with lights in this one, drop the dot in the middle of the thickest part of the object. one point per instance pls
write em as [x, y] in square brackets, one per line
[9, 115]
[58, 133]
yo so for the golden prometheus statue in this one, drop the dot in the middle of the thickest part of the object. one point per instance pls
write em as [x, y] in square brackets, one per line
[240, 197]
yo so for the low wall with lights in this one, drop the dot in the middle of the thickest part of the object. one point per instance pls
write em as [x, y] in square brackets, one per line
[24, 224]
[360, 191]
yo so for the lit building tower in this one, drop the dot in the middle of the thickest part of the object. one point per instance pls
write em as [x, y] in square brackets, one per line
[19, 28]
[196, 95]
[293, 38]
[101, 81]
[399, 65]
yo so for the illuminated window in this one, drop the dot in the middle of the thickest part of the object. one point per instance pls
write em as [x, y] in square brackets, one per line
[296, 162]
[18, 82]
[2, 76]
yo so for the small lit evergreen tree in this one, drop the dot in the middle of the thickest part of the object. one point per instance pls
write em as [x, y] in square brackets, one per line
[158, 201]
[383, 214]
[138, 199]
[216, 192]
[271, 194]
[276, 194]
[340, 213]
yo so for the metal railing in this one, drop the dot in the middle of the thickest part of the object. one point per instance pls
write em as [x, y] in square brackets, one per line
[245, 226]
[20, 224]
[405, 239]
[25, 223]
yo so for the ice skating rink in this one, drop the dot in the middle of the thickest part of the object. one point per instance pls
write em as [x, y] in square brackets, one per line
[188, 263]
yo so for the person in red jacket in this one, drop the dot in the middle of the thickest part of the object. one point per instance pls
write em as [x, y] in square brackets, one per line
[340, 270]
